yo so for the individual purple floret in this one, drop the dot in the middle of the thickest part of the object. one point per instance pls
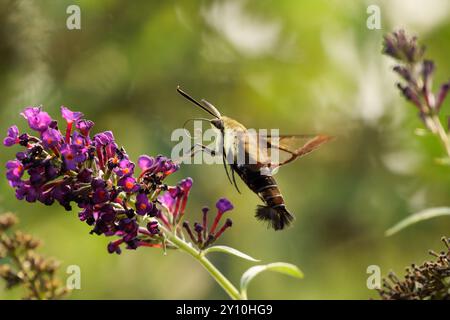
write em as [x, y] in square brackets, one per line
[12, 137]
[143, 205]
[73, 155]
[14, 171]
[37, 119]
[69, 115]
[51, 138]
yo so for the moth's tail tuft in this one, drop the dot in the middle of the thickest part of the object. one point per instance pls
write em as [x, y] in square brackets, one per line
[278, 217]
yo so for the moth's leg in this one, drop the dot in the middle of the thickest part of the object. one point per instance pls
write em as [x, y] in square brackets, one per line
[234, 180]
[198, 147]
[224, 160]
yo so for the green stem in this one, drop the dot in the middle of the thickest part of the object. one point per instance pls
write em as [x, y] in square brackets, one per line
[435, 126]
[442, 134]
[229, 288]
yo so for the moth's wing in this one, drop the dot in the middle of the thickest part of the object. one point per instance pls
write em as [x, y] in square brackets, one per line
[262, 150]
[283, 149]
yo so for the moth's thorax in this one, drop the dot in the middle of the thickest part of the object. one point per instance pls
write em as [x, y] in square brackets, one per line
[232, 124]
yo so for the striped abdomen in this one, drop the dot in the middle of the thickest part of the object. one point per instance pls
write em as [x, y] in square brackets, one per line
[267, 189]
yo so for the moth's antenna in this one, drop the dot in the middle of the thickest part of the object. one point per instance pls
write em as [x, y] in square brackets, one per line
[184, 94]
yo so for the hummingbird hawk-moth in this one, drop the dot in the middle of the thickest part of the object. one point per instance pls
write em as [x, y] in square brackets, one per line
[256, 174]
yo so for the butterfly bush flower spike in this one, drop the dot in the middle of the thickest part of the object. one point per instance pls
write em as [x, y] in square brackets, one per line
[133, 206]
[416, 74]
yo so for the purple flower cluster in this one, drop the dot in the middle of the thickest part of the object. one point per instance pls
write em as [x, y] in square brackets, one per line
[416, 73]
[94, 173]
[98, 176]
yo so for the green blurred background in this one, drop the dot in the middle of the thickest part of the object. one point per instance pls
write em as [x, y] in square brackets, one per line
[301, 66]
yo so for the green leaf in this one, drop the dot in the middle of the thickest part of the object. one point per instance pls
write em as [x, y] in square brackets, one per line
[281, 267]
[231, 251]
[417, 217]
